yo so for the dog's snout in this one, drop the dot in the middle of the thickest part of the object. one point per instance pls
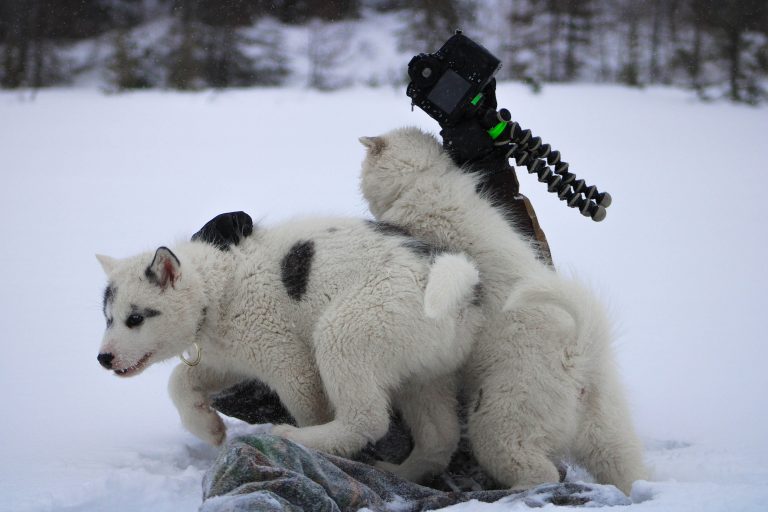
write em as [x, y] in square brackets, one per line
[106, 360]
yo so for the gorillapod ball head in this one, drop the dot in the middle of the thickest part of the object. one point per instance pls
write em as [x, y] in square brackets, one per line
[456, 87]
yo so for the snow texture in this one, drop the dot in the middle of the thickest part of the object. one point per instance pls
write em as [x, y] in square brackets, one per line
[680, 260]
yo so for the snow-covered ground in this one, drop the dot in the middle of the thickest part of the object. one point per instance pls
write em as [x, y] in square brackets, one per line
[680, 259]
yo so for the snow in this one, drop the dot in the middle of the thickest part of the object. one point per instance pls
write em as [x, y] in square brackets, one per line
[680, 260]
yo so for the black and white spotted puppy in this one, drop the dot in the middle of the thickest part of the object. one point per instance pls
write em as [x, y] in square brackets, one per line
[341, 317]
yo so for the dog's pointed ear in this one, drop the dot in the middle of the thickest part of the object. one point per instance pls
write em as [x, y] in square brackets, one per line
[165, 268]
[107, 263]
[375, 145]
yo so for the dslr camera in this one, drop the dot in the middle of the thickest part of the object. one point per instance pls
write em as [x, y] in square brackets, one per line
[455, 86]
[448, 84]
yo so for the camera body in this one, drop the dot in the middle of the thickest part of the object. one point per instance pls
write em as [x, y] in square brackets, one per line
[447, 84]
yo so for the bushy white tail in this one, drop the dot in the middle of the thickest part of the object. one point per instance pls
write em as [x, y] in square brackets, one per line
[591, 324]
[550, 289]
[451, 284]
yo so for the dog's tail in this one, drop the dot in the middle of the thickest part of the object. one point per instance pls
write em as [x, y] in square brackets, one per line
[591, 326]
[453, 282]
[546, 288]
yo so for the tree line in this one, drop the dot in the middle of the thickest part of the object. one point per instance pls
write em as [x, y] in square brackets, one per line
[716, 47]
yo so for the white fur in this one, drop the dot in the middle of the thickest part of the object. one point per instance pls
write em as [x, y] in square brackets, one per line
[446, 293]
[356, 341]
[541, 381]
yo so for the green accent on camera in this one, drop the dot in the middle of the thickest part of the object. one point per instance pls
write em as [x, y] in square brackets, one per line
[477, 98]
[496, 130]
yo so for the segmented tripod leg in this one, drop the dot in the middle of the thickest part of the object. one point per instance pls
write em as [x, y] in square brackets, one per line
[536, 156]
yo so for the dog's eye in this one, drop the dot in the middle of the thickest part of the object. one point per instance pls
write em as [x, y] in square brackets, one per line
[134, 320]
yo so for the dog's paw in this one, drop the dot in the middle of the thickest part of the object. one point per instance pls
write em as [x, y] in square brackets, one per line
[307, 437]
[207, 425]
[285, 430]
[217, 431]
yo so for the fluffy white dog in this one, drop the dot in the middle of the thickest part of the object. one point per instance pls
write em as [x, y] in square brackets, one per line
[340, 317]
[541, 381]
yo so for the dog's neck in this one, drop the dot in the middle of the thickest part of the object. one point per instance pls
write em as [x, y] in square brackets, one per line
[216, 272]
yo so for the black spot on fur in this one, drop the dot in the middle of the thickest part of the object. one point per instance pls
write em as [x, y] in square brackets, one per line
[295, 268]
[151, 276]
[385, 228]
[225, 230]
[478, 294]
[332, 230]
[145, 312]
[479, 400]
[109, 296]
[421, 248]
[201, 320]
[416, 246]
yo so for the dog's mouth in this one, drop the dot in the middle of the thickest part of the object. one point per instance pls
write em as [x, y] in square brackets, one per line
[136, 368]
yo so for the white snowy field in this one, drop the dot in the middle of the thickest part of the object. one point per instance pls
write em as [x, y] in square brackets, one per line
[681, 260]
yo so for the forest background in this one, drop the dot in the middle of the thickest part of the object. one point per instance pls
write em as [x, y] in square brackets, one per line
[718, 49]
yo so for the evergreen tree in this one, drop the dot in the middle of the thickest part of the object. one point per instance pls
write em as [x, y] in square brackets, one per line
[432, 22]
[524, 52]
[185, 59]
[578, 36]
[630, 15]
[268, 59]
[130, 67]
[326, 44]
[30, 57]
[731, 22]
[302, 11]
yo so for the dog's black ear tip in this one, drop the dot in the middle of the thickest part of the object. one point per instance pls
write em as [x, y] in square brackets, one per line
[164, 253]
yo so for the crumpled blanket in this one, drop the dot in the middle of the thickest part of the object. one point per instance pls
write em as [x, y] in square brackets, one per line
[268, 473]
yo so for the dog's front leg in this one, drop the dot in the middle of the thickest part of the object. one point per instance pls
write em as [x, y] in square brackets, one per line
[190, 389]
[301, 390]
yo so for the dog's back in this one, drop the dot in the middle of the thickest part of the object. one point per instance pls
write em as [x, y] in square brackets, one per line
[302, 270]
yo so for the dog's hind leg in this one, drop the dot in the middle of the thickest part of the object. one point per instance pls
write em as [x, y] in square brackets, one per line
[606, 443]
[361, 414]
[513, 458]
[351, 355]
[431, 412]
[523, 401]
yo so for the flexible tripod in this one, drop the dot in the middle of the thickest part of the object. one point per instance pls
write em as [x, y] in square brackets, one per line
[490, 138]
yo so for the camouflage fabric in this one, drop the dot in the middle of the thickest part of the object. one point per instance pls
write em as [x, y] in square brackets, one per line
[268, 473]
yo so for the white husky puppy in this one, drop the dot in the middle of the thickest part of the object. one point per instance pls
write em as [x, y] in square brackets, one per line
[339, 316]
[541, 381]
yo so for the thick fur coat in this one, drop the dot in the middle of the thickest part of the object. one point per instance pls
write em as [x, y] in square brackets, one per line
[541, 381]
[341, 317]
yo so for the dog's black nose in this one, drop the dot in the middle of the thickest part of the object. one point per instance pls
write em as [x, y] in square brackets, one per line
[106, 360]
